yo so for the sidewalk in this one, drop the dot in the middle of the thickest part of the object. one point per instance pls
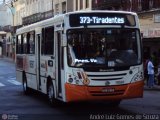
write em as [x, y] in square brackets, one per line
[155, 88]
[7, 59]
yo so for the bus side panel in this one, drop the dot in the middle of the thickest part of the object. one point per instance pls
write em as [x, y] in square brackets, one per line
[30, 70]
[19, 68]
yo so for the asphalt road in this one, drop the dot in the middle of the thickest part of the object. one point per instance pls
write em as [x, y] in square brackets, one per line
[14, 105]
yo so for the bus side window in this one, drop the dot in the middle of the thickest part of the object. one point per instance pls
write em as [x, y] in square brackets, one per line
[25, 43]
[19, 44]
[43, 42]
[47, 41]
[17, 50]
[31, 44]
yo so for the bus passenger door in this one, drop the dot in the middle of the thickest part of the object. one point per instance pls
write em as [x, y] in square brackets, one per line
[59, 63]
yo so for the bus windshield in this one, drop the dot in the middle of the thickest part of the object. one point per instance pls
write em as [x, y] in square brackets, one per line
[107, 48]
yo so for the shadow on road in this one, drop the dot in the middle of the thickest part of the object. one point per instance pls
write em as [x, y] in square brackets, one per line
[80, 110]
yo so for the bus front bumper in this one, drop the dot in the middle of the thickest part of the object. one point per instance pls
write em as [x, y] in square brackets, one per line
[87, 93]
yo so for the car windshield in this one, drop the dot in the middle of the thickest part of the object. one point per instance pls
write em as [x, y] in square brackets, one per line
[103, 47]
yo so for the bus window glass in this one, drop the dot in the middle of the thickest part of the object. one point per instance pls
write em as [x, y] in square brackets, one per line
[19, 44]
[131, 20]
[103, 47]
[25, 43]
[48, 41]
[32, 43]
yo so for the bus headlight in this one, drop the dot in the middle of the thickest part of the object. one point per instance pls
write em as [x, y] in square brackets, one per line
[70, 80]
[73, 79]
[137, 77]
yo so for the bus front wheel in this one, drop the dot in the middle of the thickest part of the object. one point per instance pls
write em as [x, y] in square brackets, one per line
[51, 94]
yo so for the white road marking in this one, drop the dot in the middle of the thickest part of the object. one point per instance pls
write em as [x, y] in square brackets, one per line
[12, 78]
[1, 85]
[14, 82]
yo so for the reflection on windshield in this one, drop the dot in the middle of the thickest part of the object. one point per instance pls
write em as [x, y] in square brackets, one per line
[103, 47]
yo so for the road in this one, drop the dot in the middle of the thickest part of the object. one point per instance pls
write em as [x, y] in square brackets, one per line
[15, 105]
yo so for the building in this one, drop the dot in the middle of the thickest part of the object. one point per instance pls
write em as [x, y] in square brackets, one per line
[6, 24]
[149, 15]
[2, 38]
[82, 5]
[7, 15]
[31, 11]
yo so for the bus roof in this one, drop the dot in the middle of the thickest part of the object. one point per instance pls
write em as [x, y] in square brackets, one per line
[103, 11]
[61, 16]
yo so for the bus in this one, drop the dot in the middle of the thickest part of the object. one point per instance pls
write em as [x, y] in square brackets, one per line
[82, 56]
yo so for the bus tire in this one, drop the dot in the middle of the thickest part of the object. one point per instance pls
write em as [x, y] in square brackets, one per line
[25, 87]
[51, 94]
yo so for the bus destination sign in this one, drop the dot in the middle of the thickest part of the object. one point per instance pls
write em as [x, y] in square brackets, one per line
[101, 20]
[87, 19]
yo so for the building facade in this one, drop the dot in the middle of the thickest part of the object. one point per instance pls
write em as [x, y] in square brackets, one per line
[7, 15]
[82, 5]
[31, 11]
[6, 23]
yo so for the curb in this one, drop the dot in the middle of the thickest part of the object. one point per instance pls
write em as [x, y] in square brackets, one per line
[155, 88]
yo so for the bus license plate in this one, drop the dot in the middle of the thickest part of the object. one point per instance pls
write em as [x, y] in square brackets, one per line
[108, 90]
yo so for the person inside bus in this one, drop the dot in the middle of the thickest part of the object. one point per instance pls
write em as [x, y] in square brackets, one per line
[111, 48]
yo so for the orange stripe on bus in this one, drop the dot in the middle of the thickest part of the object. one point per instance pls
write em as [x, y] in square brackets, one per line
[84, 93]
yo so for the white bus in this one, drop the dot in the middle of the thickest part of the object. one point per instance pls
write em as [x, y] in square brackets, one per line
[82, 56]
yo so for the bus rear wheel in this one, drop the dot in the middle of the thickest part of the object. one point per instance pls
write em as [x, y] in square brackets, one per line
[25, 87]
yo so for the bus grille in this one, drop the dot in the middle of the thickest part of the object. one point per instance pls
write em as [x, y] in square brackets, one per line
[103, 91]
[106, 77]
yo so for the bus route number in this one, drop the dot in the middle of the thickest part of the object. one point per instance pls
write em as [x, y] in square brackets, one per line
[85, 20]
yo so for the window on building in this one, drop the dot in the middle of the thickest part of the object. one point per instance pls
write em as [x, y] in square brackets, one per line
[151, 4]
[57, 8]
[76, 4]
[87, 3]
[64, 7]
[139, 5]
[47, 47]
[81, 4]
